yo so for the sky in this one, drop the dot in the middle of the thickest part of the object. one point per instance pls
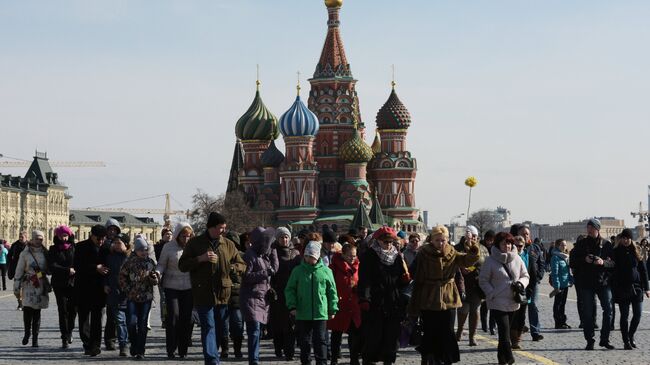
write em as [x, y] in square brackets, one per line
[545, 102]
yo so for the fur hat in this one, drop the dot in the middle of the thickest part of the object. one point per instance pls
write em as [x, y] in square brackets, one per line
[440, 229]
[63, 230]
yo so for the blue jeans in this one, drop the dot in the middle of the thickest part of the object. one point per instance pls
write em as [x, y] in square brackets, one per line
[588, 307]
[234, 323]
[212, 319]
[253, 332]
[118, 315]
[533, 312]
[137, 315]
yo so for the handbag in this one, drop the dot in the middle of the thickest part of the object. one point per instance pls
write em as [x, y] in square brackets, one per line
[518, 290]
[47, 287]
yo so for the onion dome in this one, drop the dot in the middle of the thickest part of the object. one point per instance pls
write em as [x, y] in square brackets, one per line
[298, 121]
[258, 123]
[272, 157]
[333, 3]
[393, 115]
[356, 150]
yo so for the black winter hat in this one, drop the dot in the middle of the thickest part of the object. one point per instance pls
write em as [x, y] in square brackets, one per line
[98, 230]
[215, 219]
[627, 233]
[329, 236]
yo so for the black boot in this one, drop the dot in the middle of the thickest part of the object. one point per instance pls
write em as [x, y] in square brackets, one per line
[224, 347]
[236, 344]
[28, 314]
[36, 327]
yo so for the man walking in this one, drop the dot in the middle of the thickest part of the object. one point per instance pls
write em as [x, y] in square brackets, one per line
[209, 258]
[591, 260]
[89, 287]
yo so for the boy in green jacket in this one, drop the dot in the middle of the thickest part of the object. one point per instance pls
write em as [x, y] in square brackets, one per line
[312, 299]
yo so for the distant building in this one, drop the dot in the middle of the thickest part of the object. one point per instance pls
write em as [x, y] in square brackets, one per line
[81, 221]
[39, 200]
[570, 231]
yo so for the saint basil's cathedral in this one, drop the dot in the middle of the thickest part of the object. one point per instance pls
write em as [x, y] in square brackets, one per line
[328, 175]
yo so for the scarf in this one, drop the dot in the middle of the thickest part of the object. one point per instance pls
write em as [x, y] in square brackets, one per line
[64, 246]
[387, 257]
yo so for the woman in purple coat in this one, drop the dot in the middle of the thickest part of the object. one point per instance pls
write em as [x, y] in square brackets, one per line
[254, 297]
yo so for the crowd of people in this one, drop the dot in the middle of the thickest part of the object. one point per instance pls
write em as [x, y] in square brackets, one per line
[384, 289]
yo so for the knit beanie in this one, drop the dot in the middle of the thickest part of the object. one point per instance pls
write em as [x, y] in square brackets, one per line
[473, 230]
[282, 231]
[313, 249]
[594, 223]
[141, 244]
[627, 233]
[36, 233]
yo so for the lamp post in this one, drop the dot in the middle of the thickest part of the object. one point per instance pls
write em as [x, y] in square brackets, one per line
[451, 226]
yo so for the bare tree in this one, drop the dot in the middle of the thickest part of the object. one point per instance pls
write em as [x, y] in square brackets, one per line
[484, 220]
[240, 217]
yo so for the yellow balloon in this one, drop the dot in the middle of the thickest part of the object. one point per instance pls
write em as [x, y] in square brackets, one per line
[471, 181]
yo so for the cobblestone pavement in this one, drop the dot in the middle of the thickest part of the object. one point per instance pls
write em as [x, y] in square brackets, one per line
[558, 347]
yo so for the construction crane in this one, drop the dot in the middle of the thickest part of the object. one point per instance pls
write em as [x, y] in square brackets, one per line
[167, 212]
[19, 162]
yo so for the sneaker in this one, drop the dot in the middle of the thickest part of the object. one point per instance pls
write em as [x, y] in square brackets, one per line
[123, 351]
[538, 337]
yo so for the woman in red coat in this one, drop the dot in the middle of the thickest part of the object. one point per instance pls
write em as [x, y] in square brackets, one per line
[345, 267]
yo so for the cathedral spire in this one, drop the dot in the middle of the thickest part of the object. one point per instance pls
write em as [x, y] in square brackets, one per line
[333, 63]
[235, 166]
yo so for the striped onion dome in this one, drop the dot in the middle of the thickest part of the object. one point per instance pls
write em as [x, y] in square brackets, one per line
[258, 123]
[298, 121]
[356, 150]
[393, 115]
[272, 157]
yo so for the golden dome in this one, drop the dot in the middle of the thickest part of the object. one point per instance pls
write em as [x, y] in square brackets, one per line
[333, 3]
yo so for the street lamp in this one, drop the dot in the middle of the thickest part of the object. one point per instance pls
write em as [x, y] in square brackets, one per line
[451, 226]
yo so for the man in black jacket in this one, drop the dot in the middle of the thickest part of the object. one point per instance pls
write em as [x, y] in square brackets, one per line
[89, 287]
[12, 259]
[592, 262]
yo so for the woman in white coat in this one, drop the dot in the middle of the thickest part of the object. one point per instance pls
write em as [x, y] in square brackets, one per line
[500, 271]
[31, 278]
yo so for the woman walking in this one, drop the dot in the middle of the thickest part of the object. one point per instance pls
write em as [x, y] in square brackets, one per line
[60, 260]
[261, 263]
[630, 283]
[435, 296]
[178, 292]
[501, 271]
[281, 323]
[345, 268]
[473, 293]
[137, 279]
[382, 274]
[30, 276]
[561, 280]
